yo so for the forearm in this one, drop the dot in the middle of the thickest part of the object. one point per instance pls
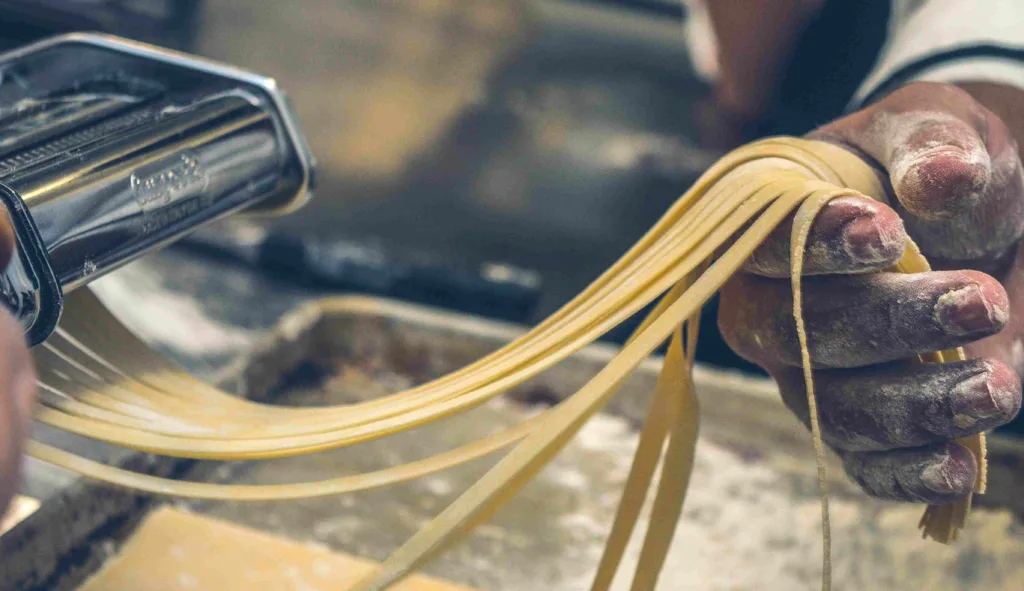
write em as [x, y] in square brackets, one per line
[754, 39]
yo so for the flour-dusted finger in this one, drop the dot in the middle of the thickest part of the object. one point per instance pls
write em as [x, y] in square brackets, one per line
[953, 166]
[849, 235]
[901, 405]
[936, 474]
[855, 321]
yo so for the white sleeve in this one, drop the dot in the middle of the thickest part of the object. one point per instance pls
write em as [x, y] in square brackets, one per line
[700, 41]
[949, 41]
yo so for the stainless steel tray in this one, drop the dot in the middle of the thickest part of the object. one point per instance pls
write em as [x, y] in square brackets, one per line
[751, 518]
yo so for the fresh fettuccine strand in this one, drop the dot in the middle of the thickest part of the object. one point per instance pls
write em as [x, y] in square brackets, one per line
[100, 381]
[801, 230]
[677, 466]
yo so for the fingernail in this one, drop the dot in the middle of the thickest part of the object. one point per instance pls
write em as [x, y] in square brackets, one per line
[966, 310]
[975, 400]
[935, 183]
[953, 475]
[867, 242]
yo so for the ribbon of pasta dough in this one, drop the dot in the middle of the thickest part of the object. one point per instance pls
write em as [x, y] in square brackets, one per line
[98, 380]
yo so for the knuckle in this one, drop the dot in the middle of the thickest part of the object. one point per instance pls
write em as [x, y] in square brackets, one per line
[755, 319]
[794, 395]
[734, 321]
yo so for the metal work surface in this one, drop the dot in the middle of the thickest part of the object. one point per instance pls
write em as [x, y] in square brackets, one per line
[751, 518]
[79, 524]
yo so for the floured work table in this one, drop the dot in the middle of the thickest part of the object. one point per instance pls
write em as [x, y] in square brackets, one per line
[750, 522]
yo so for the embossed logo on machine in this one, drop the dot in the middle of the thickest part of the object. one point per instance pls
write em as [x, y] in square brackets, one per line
[169, 190]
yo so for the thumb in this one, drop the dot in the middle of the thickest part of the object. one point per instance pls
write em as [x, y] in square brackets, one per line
[938, 164]
[952, 165]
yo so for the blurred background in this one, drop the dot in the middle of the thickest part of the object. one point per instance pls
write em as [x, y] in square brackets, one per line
[488, 156]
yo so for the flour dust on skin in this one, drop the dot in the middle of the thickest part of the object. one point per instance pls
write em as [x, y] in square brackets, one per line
[937, 163]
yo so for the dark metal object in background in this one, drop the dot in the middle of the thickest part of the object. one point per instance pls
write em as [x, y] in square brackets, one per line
[115, 149]
[169, 23]
[494, 290]
[667, 8]
[546, 134]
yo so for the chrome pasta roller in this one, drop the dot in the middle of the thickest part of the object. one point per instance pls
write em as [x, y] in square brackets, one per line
[110, 149]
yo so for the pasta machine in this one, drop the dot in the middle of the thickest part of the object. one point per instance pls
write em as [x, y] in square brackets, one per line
[110, 149]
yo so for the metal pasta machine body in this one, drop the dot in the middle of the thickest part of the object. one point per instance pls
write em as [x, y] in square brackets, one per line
[110, 149]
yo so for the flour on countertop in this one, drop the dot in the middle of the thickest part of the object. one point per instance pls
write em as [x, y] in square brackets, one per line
[163, 317]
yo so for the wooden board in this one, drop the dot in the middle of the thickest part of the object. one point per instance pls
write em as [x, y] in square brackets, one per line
[176, 550]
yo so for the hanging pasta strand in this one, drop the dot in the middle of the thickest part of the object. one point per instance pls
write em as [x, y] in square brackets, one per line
[100, 381]
[645, 462]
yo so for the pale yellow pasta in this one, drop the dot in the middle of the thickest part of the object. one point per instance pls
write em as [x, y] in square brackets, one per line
[99, 381]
